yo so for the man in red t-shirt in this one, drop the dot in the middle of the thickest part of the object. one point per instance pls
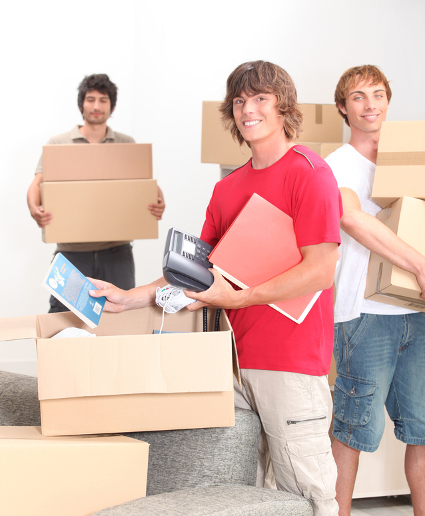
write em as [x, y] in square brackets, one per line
[283, 364]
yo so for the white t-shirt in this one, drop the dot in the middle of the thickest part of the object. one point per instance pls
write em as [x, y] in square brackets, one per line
[354, 171]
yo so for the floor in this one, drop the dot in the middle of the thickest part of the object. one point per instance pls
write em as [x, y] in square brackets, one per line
[385, 506]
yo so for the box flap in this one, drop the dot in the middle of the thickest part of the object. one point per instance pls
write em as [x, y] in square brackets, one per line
[16, 328]
[402, 143]
[168, 363]
[33, 435]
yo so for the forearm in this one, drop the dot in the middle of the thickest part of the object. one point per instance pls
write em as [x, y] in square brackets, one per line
[376, 236]
[34, 194]
[301, 280]
[144, 296]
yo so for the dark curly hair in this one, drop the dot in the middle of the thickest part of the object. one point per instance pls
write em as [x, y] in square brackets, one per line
[98, 82]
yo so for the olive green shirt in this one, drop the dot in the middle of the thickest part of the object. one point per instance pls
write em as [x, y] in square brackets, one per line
[75, 136]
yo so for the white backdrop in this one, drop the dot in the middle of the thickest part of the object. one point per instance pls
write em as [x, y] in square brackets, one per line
[166, 58]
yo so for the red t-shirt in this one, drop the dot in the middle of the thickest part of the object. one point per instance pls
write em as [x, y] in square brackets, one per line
[302, 185]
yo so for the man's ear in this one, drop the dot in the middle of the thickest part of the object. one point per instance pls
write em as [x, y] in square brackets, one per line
[342, 109]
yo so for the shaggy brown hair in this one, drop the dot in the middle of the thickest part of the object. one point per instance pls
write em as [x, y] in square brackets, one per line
[262, 77]
[355, 75]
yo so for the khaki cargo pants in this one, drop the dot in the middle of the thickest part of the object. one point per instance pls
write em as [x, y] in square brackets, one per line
[296, 412]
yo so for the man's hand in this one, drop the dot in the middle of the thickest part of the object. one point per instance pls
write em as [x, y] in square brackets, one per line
[40, 216]
[116, 298]
[220, 295]
[157, 209]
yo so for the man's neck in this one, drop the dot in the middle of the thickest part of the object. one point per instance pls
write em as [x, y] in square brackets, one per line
[94, 133]
[366, 144]
[266, 153]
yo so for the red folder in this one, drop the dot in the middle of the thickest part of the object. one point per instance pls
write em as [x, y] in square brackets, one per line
[259, 245]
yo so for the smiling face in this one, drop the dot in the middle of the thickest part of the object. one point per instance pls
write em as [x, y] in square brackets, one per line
[366, 107]
[257, 117]
[96, 107]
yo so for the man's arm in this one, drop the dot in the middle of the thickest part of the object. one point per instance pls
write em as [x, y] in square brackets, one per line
[118, 300]
[34, 202]
[376, 236]
[158, 209]
[314, 273]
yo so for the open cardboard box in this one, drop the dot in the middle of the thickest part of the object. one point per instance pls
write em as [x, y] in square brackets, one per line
[322, 133]
[385, 282]
[400, 165]
[97, 161]
[128, 379]
[99, 211]
[68, 476]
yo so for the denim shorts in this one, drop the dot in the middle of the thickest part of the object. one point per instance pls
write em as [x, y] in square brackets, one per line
[380, 360]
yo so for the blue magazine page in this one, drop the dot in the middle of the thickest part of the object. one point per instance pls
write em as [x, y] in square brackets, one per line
[66, 283]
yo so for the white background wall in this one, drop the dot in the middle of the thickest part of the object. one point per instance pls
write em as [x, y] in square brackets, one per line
[166, 58]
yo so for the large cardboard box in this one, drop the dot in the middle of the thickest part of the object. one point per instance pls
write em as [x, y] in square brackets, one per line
[128, 379]
[385, 282]
[99, 211]
[72, 476]
[400, 166]
[97, 162]
[321, 123]
[322, 133]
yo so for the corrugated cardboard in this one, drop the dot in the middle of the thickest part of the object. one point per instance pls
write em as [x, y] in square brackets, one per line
[72, 476]
[322, 149]
[218, 145]
[99, 211]
[322, 133]
[400, 166]
[321, 123]
[97, 161]
[127, 379]
[385, 282]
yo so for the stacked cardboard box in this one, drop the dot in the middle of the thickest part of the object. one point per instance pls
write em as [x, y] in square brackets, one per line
[127, 378]
[70, 476]
[98, 192]
[399, 187]
[322, 133]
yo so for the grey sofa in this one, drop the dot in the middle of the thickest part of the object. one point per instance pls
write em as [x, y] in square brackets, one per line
[191, 472]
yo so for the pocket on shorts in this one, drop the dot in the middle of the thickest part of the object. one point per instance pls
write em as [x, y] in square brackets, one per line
[353, 400]
[314, 467]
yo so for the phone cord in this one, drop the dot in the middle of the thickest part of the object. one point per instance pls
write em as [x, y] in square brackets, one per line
[204, 313]
[217, 319]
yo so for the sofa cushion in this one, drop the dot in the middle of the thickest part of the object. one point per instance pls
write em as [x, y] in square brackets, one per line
[19, 405]
[181, 459]
[215, 501]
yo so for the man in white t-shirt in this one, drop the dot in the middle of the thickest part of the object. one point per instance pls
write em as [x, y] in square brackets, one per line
[379, 349]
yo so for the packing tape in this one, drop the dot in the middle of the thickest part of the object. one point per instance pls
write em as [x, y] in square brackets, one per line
[319, 114]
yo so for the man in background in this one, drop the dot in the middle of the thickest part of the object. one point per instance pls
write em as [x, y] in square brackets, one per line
[379, 349]
[110, 261]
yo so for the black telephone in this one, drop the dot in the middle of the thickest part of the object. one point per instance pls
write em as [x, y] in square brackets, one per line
[185, 262]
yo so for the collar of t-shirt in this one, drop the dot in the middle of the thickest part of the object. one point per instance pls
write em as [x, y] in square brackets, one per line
[76, 135]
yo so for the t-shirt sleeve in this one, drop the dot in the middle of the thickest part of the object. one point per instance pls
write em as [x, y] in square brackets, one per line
[317, 207]
[209, 230]
[39, 169]
[342, 171]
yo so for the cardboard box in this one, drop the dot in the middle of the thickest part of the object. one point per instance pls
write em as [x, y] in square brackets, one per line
[73, 476]
[127, 379]
[322, 132]
[99, 211]
[97, 161]
[322, 149]
[385, 282]
[322, 123]
[400, 166]
[218, 146]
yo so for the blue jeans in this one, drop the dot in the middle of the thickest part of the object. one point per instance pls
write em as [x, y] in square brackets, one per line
[380, 361]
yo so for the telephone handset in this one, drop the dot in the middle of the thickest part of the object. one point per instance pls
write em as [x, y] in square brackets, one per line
[185, 262]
